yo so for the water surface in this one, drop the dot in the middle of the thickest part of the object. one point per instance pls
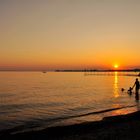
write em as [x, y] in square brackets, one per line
[36, 100]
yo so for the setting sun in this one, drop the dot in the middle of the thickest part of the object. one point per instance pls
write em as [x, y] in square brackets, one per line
[116, 66]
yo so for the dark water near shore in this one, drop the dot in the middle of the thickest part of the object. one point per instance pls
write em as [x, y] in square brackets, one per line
[36, 100]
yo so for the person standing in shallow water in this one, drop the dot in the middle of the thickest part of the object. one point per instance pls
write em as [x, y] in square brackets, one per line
[137, 86]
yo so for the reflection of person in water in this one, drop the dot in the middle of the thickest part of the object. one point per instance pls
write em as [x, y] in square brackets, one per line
[136, 85]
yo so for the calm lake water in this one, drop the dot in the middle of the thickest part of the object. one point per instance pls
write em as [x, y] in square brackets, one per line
[36, 100]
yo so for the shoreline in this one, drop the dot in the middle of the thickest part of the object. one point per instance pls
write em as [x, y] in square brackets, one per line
[113, 127]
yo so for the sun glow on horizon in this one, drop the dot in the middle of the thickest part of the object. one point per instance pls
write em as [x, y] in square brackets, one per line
[116, 66]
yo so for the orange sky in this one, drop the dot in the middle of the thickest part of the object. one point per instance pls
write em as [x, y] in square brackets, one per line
[71, 34]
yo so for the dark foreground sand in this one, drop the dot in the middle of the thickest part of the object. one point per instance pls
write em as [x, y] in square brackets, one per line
[123, 127]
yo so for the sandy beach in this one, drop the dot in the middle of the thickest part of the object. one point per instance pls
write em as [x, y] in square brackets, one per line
[110, 128]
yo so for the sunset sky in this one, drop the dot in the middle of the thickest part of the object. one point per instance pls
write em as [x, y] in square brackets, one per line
[69, 34]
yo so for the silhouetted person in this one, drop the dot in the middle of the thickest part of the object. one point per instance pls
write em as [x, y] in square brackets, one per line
[130, 91]
[122, 89]
[137, 86]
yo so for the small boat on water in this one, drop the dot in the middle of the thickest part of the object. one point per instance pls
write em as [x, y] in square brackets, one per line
[44, 71]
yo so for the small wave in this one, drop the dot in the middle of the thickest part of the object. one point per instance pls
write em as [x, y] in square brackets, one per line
[104, 111]
[4, 95]
[30, 105]
[91, 113]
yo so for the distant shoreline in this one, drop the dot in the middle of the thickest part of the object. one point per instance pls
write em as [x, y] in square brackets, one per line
[94, 70]
[78, 70]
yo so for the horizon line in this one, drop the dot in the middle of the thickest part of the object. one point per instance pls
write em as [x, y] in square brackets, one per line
[74, 70]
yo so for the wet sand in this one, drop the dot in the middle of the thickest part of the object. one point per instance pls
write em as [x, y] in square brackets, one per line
[110, 128]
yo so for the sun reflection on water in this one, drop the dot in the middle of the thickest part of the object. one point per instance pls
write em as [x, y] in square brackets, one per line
[116, 94]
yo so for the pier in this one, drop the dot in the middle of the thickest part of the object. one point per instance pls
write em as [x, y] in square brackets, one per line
[112, 73]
